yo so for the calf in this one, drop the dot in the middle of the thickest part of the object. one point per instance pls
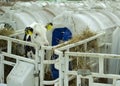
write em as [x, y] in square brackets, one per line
[35, 33]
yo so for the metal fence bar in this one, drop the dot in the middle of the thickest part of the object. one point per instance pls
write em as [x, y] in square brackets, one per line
[93, 55]
[114, 81]
[50, 82]
[78, 81]
[101, 65]
[81, 42]
[43, 62]
[18, 57]
[66, 70]
[17, 41]
[61, 77]
[50, 61]
[42, 68]
[9, 63]
[95, 75]
[8, 54]
[9, 46]
[39, 61]
[1, 69]
[100, 74]
[90, 81]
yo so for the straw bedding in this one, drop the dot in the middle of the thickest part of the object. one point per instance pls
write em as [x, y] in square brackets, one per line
[5, 4]
[5, 32]
[92, 46]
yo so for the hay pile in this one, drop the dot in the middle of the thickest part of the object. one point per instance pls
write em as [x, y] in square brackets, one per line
[92, 46]
[82, 62]
[5, 32]
[84, 35]
[2, 11]
[6, 4]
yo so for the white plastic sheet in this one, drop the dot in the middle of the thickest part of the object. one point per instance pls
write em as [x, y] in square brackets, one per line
[78, 21]
[114, 63]
[3, 84]
[71, 21]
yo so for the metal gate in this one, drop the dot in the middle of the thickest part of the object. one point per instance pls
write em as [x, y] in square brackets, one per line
[65, 75]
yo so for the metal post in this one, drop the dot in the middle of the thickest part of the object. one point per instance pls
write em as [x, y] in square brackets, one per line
[1, 69]
[78, 80]
[36, 68]
[61, 69]
[66, 70]
[114, 81]
[85, 46]
[41, 53]
[90, 81]
[101, 65]
[9, 46]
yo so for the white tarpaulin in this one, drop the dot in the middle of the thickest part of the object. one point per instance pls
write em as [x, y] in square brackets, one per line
[71, 21]
[3, 84]
[114, 63]
[78, 21]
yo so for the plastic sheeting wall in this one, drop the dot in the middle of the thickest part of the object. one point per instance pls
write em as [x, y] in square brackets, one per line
[95, 20]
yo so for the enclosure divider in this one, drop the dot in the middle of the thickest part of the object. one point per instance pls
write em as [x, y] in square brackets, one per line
[90, 80]
[114, 81]
[41, 53]
[61, 58]
[66, 70]
[78, 80]
[9, 46]
[37, 66]
[101, 65]
[1, 68]
[61, 67]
